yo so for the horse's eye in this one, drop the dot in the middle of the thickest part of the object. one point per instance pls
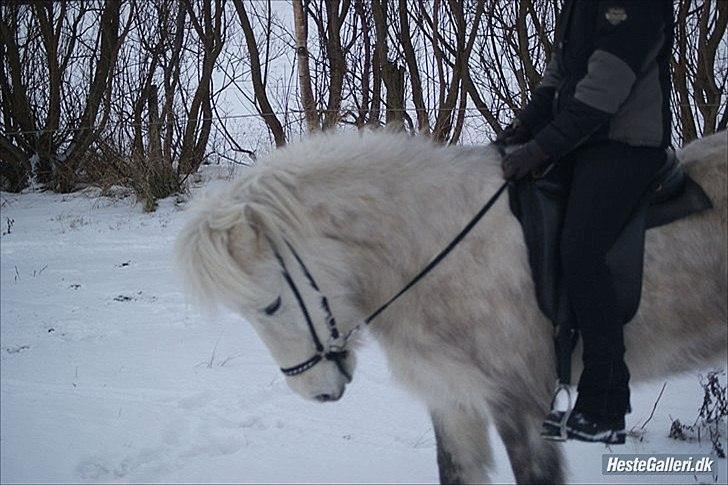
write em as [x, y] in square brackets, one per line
[273, 307]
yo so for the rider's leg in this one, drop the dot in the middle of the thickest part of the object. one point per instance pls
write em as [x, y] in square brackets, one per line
[608, 181]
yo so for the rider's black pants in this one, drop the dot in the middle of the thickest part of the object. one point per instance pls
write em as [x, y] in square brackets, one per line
[607, 181]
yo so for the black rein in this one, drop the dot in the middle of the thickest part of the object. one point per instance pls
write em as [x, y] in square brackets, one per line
[337, 353]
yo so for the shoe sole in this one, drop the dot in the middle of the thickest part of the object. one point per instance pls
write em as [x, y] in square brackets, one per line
[606, 437]
[552, 437]
[552, 432]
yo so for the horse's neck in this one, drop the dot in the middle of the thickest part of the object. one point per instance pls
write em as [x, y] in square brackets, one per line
[385, 227]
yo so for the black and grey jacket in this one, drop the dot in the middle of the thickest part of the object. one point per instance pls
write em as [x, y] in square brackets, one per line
[609, 77]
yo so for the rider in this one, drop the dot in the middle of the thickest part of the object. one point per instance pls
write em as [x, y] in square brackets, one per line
[602, 115]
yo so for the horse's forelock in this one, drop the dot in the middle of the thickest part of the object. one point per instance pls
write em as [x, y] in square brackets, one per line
[216, 249]
[225, 249]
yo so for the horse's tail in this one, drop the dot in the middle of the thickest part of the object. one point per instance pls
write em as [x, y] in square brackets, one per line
[204, 252]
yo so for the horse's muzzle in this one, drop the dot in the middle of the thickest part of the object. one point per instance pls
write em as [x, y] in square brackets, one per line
[330, 397]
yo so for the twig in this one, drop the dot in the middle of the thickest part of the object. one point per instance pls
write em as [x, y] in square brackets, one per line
[212, 357]
[654, 407]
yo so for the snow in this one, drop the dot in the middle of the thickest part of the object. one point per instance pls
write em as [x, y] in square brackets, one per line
[109, 375]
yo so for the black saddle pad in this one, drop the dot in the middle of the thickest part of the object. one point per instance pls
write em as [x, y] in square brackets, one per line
[539, 206]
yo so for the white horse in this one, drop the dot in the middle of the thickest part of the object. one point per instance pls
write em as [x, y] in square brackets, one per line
[365, 212]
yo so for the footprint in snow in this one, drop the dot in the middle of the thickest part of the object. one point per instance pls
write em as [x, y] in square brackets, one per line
[100, 468]
[139, 296]
[17, 349]
[195, 401]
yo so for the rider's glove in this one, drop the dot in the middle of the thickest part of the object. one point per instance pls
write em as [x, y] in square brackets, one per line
[514, 134]
[522, 161]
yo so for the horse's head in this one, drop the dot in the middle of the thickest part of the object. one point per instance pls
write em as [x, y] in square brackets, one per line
[233, 252]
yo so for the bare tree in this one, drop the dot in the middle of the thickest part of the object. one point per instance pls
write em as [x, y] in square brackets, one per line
[700, 84]
[423, 122]
[210, 33]
[261, 96]
[308, 101]
[142, 92]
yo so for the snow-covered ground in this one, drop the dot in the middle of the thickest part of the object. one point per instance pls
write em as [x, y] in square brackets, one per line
[109, 375]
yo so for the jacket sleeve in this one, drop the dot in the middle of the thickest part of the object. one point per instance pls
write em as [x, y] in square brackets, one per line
[628, 35]
[538, 112]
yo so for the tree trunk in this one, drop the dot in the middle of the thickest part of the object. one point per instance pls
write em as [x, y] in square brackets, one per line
[379, 14]
[65, 178]
[337, 64]
[680, 75]
[423, 122]
[261, 97]
[199, 121]
[304, 74]
[393, 77]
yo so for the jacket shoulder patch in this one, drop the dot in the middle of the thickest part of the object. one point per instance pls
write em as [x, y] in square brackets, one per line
[616, 15]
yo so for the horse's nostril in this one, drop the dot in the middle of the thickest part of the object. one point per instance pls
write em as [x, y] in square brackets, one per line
[323, 397]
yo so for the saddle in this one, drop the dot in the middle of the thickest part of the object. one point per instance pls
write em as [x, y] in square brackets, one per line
[539, 204]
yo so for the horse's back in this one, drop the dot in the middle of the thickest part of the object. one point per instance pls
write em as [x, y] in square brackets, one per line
[681, 321]
[706, 160]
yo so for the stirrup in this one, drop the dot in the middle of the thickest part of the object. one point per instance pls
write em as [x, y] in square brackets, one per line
[556, 431]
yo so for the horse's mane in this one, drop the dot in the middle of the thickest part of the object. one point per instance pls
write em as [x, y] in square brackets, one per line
[268, 199]
[350, 182]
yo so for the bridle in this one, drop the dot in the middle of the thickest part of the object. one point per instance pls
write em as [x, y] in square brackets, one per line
[333, 351]
[335, 348]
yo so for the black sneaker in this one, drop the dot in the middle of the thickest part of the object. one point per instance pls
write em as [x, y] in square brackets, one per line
[581, 427]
